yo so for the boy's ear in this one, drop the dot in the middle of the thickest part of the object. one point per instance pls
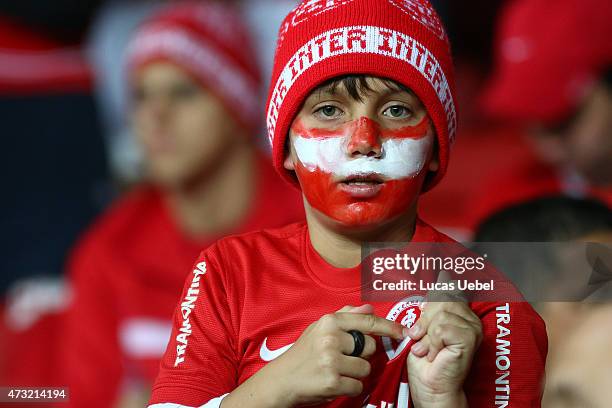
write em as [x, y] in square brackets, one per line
[434, 163]
[288, 163]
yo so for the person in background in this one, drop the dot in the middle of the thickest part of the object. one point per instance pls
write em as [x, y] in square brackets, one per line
[481, 143]
[580, 377]
[554, 77]
[548, 219]
[195, 107]
[551, 82]
[553, 272]
[562, 219]
[106, 43]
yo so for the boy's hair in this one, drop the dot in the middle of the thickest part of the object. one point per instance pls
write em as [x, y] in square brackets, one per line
[607, 78]
[549, 219]
[357, 86]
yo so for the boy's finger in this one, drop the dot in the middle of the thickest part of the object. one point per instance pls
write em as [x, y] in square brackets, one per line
[370, 324]
[421, 327]
[450, 335]
[421, 348]
[363, 309]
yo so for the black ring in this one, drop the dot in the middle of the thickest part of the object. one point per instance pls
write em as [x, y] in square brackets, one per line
[359, 339]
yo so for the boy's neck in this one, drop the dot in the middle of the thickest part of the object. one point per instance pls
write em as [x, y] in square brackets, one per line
[220, 200]
[342, 249]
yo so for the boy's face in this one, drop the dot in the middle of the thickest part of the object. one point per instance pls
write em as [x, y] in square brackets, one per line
[361, 161]
[183, 130]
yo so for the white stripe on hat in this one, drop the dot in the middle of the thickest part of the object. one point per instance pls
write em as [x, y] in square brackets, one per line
[230, 80]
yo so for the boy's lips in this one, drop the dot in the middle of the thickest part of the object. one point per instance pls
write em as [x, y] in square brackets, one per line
[362, 185]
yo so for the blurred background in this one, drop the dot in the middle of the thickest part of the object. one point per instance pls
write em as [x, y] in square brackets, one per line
[110, 190]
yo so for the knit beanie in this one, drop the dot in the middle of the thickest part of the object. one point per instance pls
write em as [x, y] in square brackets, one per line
[212, 44]
[402, 40]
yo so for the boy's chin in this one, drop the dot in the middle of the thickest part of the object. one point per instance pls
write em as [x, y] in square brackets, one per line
[351, 221]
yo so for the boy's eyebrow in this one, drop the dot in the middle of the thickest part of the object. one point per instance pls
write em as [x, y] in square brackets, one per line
[392, 91]
[338, 88]
[331, 89]
[325, 91]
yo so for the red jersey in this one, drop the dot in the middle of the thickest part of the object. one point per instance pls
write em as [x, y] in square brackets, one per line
[127, 274]
[249, 297]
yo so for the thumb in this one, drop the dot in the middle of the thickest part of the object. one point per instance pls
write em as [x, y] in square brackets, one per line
[363, 309]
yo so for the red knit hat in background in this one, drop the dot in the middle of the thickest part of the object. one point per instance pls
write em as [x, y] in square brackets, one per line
[549, 56]
[211, 43]
[402, 40]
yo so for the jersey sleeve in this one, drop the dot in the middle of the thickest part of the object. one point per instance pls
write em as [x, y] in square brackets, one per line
[508, 369]
[200, 362]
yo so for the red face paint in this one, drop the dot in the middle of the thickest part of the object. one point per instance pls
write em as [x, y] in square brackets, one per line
[355, 204]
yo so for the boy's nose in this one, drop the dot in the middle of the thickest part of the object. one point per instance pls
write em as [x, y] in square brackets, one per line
[156, 107]
[365, 139]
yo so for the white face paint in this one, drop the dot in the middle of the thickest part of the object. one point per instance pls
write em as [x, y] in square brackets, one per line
[400, 158]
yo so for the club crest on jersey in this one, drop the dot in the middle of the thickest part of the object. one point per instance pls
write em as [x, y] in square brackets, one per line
[406, 312]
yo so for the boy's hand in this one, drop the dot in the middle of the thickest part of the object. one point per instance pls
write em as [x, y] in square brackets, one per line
[318, 368]
[447, 335]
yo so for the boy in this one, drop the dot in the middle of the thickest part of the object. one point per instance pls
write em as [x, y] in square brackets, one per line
[360, 116]
[194, 109]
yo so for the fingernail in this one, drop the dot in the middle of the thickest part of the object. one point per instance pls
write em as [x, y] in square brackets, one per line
[405, 332]
[414, 330]
[417, 348]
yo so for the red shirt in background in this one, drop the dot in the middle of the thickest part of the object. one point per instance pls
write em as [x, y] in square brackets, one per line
[127, 274]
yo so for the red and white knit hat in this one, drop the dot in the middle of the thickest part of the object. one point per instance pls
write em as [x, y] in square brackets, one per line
[402, 40]
[211, 43]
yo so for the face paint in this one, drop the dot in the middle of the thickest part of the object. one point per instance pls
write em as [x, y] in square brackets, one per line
[350, 176]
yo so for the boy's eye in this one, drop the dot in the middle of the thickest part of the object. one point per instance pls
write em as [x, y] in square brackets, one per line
[138, 95]
[328, 112]
[184, 91]
[397, 112]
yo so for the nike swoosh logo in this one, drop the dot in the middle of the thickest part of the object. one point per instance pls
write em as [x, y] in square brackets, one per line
[268, 355]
